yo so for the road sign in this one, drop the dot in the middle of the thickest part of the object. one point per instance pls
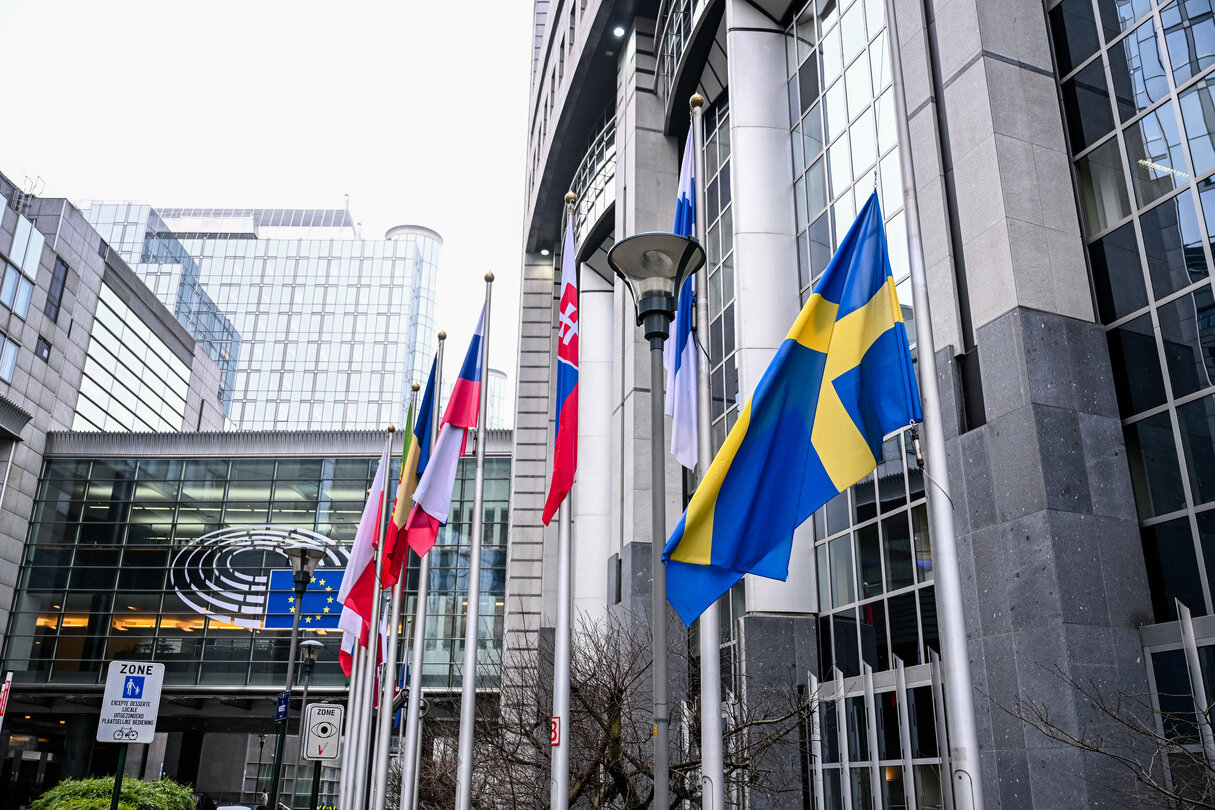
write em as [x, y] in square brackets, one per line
[131, 702]
[323, 730]
[282, 706]
[8, 684]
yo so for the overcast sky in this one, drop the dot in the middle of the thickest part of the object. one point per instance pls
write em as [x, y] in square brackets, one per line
[417, 109]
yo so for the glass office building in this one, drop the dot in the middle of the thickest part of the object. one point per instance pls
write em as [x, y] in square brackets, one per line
[174, 558]
[333, 329]
[143, 240]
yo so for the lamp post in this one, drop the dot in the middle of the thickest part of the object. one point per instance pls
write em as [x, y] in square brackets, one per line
[654, 266]
[311, 650]
[303, 562]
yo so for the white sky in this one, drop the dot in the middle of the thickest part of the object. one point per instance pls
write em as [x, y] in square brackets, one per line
[416, 108]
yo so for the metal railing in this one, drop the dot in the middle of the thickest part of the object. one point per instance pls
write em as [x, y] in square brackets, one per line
[595, 180]
[676, 19]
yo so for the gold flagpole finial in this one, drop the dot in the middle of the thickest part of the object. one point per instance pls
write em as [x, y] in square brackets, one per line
[489, 278]
[415, 388]
[570, 198]
[697, 100]
[442, 336]
[392, 428]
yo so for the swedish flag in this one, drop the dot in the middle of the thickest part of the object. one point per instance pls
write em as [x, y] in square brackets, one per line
[839, 383]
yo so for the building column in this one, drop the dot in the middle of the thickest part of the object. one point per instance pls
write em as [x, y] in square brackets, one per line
[764, 241]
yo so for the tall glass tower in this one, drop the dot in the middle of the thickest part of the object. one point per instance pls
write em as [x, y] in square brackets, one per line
[330, 329]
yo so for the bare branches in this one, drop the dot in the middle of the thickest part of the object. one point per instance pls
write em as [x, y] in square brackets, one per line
[1152, 757]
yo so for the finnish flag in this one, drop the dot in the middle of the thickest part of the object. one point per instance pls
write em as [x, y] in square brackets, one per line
[679, 353]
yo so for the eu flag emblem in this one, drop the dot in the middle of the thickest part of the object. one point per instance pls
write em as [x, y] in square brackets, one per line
[319, 608]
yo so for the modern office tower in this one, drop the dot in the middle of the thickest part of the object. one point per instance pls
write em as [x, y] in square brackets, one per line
[1063, 166]
[167, 547]
[85, 346]
[329, 330]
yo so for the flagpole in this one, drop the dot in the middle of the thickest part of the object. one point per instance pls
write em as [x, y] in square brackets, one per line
[413, 712]
[468, 685]
[966, 780]
[389, 680]
[352, 697]
[712, 769]
[562, 643]
[373, 636]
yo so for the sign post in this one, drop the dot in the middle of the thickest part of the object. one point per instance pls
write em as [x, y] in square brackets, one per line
[129, 708]
[323, 730]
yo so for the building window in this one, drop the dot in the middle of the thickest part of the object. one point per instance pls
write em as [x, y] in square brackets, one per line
[15, 291]
[54, 295]
[8, 357]
[42, 349]
[1136, 87]
[719, 249]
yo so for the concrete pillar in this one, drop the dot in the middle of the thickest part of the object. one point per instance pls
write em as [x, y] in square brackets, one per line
[764, 244]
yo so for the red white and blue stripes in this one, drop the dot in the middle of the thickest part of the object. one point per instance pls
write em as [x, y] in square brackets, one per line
[565, 447]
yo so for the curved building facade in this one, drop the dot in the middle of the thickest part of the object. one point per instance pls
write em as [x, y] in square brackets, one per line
[1062, 158]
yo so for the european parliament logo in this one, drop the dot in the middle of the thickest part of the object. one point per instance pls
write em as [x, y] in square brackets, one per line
[318, 608]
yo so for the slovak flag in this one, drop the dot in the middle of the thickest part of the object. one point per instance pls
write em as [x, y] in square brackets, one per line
[679, 353]
[565, 448]
[432, 499]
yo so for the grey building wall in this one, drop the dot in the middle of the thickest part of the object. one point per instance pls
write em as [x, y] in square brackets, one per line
[46, 391]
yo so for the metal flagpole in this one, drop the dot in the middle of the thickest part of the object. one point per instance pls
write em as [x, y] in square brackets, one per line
[712, 770]
[378, 763]
[413, 709]
[353, 695]
[966, 781]
[468, 684]
[560, 781]
[389, 680]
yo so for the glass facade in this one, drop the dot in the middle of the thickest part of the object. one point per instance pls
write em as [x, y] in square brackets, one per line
[154, 559]
[1135, 81]
[332, 329]
[132, 380]
[139, 234]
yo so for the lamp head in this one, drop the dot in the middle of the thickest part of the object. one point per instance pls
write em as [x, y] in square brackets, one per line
[311, 649]
[303, 562]
[654, 267]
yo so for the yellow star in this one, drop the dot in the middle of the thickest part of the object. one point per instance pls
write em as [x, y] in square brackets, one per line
[311, 581]
[291, 600]
[293, 610]
[330, 599]
[308, 619]
[326, 610]
[322, 582]
[329, 587]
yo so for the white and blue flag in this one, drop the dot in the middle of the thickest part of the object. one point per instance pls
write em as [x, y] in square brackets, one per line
[679, 356]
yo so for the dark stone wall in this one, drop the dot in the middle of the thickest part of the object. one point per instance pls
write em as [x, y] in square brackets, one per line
[1052, 573]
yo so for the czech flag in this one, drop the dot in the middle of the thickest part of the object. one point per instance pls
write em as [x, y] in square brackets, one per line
[565, 448]
[432, 500]
[679, 353]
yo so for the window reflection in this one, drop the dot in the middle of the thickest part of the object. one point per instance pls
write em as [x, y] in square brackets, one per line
[1137, 71]
[1153, 147]
[1189, 36]
[1102, 187]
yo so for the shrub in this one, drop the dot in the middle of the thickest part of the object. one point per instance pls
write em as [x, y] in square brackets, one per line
[94, 794]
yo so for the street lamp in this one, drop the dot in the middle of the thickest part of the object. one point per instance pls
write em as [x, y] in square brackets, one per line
[303, 562]
[654, 266]
[311, 649]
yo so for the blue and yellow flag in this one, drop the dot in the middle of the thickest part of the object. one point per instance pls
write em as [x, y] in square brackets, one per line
[841, 381]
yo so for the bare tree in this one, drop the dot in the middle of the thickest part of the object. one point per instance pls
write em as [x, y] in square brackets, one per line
[610, 730]
[1151, 758]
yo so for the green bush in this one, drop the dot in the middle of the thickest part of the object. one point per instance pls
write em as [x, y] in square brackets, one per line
[94, 794]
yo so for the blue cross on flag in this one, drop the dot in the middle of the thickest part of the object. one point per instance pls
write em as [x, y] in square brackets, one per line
[319, 607]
